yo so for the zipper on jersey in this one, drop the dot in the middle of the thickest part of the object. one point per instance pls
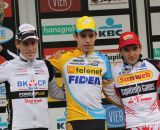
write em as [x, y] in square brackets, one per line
[86, 63]
[33, 89]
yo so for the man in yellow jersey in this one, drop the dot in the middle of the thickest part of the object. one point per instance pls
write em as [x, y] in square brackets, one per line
[83, 70]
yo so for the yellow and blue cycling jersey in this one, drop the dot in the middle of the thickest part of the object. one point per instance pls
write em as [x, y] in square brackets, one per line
[83, 76]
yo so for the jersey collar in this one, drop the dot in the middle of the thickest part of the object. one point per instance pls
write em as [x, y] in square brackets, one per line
[22, 58]
[79, 52]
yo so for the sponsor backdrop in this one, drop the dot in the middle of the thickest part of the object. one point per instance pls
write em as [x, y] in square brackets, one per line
[57, 18]
[152, 10]
[56, 21]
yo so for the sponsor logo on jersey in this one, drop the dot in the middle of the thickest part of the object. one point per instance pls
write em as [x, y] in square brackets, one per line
[39, 72]
[134, 77]
[139, 99]
[93, 62]
[31, 83]
[84, 80]
[33, 101]
[31, 94]
[136, 89]
[83, 70]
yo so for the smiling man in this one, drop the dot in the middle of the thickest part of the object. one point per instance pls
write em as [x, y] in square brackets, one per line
[30, 81]
[83, 70]
[137, 82]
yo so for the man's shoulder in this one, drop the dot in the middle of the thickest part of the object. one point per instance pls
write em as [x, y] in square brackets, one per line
[102, 55]
[117, 65]
[151, 60]
[68, 52]
[154, 62]
[67, 55]
[6, 64]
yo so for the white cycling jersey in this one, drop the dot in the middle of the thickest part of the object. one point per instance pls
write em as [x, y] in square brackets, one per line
[137, 86]
[29, 81]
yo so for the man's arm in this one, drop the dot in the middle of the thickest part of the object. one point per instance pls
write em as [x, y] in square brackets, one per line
[110, 93]
[109, 89]
[4, 71]
[6, 54]
[53, 90]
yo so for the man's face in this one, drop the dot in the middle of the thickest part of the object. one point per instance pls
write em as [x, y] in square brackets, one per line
[28, 48]
[131, 54]
[86, 40]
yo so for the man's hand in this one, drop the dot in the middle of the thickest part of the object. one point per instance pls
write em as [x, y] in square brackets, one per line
[58, 54]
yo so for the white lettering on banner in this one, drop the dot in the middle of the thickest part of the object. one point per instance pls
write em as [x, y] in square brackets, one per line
[58, 29]
[116, 116]
[59, 5]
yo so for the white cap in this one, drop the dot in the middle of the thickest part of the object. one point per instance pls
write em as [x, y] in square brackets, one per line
[27, 31]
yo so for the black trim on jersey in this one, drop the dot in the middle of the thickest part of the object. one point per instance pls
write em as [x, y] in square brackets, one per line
[50, 70]
[6, 55]
[29, 94]
[156, 63]
[23, 59]
[9, 105]
[135, 89]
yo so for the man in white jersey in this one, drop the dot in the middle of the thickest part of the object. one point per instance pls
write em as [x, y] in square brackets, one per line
[30, 81]
[137, 82]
